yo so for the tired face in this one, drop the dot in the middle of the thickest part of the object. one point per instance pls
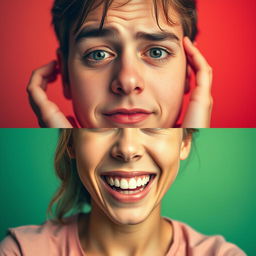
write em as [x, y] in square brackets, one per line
[127, 171]
[131, 74]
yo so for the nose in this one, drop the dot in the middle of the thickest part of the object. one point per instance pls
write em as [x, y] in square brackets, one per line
[128, 146]
[128, 79]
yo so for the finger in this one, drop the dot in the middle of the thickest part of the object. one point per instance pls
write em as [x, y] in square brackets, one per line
[47, 112]
[49, 115]
[198, 114]
[41, 76]
[199, 65]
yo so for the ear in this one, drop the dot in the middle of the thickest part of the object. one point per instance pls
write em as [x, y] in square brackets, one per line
[64, 74]
[185, 148]
[187, 81]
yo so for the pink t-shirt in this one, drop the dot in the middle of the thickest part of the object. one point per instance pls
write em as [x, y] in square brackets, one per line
[52, 239]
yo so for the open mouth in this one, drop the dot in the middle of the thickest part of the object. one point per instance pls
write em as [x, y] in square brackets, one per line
[128, 188]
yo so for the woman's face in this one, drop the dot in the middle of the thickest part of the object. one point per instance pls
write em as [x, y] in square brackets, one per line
[127, 171]
[131, 74]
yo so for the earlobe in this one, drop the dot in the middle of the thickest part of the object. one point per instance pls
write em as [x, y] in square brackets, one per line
[185, 148]
[64, 75]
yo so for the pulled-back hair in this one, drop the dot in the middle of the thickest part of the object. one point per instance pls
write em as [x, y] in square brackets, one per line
[69, 15]
[72, 196]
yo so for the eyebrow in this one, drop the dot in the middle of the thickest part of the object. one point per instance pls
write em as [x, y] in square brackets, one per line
[92, 32]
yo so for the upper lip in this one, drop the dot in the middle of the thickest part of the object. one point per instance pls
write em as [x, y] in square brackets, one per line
[127, 111]
[126, 174]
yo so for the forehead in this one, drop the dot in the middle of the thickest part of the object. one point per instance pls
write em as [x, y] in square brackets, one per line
[134, 15]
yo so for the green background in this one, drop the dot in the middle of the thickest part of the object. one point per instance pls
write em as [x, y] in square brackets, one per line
[214, 192]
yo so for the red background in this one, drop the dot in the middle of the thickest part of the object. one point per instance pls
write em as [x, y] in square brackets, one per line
[227, 39]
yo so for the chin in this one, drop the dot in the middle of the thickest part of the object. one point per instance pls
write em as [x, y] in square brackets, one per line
[128, 216]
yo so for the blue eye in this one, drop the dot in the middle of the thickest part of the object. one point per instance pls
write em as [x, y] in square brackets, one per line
[99, 55]
[157, 53]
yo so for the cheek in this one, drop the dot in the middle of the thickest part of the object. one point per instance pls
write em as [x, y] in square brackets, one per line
[169, 159]
[89, 87]
[169, 162]
[88, 157]
[85, 89]
[169, 82]
[169, 173]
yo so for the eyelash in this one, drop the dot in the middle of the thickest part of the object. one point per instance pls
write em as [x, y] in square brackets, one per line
[154, 130]
[87, 60]
[167, 52]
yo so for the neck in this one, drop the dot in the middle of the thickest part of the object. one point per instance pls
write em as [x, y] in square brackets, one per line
[99, 235]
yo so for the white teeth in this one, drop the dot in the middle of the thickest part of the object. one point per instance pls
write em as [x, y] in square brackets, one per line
[124, 184]
[132, 183]
[127, 192]
[139, 183]
[111, 182]
[117, 184]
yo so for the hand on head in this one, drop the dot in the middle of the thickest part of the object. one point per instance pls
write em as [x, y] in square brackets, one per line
[198, 113]
[47, 112]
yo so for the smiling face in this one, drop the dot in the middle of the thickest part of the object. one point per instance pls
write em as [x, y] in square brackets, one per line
[131, 74]
[128, 171]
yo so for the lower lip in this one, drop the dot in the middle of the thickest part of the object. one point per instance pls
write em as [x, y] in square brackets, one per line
[129, 198]
[128, 118]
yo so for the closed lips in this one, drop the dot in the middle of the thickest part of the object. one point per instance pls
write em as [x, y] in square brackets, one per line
[128, 112]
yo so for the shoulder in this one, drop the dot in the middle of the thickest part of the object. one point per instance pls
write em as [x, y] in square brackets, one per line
[36, 239]
[193, 242]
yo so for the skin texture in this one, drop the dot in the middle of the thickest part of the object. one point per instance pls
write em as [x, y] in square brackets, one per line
[129, 149]
[128, 75]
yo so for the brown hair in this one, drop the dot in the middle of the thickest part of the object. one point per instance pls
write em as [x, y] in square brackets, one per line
[72, 196]
[69, 13]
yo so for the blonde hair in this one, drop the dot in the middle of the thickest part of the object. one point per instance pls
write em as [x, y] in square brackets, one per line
[72, 196]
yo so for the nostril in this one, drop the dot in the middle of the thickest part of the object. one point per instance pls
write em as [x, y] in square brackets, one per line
[127, 158]
[138, 89]
[119, 89]
[136, 157]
